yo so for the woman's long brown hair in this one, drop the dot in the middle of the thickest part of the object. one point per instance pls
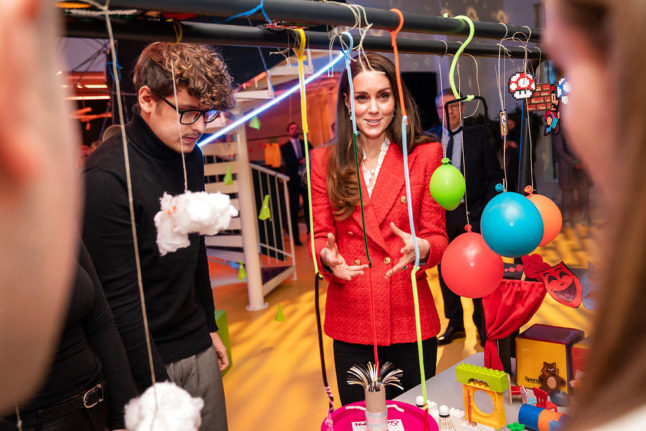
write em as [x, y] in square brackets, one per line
[342, 187]
[615, 374]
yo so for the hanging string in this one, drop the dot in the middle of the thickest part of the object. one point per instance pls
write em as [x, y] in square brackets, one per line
[250, 12]
[18, 419]
[179, 127]
[359, 14]
[456, 94]
[531, 155]
[85, 12]
[124, 141]
[319, 332]
[409, 200]
[355, 134]
[475, 110]
[501, 98]
[179, 31]
[264, 65]
[439, 68]
[299, 50]
[520, 144]
[522, 114]
[106, 13]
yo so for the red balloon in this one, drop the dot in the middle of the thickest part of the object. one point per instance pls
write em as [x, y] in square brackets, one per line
[551, 215]
[470, 268]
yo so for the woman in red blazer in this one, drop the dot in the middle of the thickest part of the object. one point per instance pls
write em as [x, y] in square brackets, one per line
[338, 232]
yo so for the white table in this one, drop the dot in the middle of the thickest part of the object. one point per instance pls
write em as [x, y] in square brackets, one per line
[444, 388]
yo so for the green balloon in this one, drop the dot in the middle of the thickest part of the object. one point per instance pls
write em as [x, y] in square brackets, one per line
[447, 185]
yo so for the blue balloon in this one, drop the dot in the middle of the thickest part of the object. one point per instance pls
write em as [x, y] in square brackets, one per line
[511, 225]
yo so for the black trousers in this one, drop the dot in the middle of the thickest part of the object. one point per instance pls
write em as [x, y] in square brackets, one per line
[455, 222]
[94, 419]
[297, 190]
[403, 356]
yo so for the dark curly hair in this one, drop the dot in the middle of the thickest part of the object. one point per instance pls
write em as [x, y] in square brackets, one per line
[198, 68]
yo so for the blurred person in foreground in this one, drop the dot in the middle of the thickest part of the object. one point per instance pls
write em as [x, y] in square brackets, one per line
[39, 197]
[597, 45]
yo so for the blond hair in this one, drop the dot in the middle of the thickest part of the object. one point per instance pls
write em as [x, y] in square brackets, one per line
[615, 375]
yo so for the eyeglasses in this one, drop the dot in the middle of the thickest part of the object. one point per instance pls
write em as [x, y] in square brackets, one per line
[190, 116]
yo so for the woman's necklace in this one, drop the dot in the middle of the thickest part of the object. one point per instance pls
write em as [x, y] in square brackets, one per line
[370, 174]
[371, 171]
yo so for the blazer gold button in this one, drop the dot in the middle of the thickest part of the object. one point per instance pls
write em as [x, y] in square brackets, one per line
[357, 262]
[350, 233]
[403, 199]
[387, 260]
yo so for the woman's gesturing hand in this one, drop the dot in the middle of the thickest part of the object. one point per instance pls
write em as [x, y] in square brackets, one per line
[331, 258]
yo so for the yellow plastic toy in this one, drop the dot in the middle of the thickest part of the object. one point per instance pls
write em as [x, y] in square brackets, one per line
[491, 382]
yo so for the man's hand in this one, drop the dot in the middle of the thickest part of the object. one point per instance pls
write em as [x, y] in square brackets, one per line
[331, 257]
[408, 250]
[220, 350]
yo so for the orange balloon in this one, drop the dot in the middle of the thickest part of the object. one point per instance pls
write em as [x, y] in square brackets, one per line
[551, 215]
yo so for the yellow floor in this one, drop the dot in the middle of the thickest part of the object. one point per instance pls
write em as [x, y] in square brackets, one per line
[275, 383]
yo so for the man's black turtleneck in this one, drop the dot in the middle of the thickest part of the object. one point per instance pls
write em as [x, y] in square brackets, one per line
[177, 287]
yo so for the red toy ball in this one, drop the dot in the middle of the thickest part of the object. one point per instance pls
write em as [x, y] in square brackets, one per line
[470, 268]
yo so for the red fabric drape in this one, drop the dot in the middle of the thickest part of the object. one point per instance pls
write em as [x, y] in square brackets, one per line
[508, 308]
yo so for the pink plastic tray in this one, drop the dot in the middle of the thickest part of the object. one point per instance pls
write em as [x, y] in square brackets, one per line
[411, 419]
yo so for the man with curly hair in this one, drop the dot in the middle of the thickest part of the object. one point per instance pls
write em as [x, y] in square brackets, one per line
[186, 347]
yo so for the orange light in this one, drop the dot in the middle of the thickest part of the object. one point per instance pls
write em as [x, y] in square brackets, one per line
[71, 5]
[90, 97]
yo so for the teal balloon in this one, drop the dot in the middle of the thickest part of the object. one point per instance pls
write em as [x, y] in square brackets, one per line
[447, 185]
[511, 225]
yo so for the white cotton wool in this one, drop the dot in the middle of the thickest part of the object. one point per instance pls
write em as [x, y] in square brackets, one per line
[175, 410]
[200, 212]
[206, 213]
[168, 239]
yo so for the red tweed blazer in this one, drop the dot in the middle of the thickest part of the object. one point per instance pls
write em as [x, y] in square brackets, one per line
[347, 311]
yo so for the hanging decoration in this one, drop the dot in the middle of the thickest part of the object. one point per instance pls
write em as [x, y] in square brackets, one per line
[228, 177]
[272, 155]
[542, 97]
[355, 134]
[559, 281]
[469, 267]
[447, 185]
[265, 213]
[409, 201]
[522, 85]
[191, 212]
[552, 114]
[545, 98]
[242, 272]
[504, 129]
[201, 212]
[562, 285]
[164, 406]
[550, 214]
[511, 225]
[300, 55]
[563, 90]
[255, 123]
